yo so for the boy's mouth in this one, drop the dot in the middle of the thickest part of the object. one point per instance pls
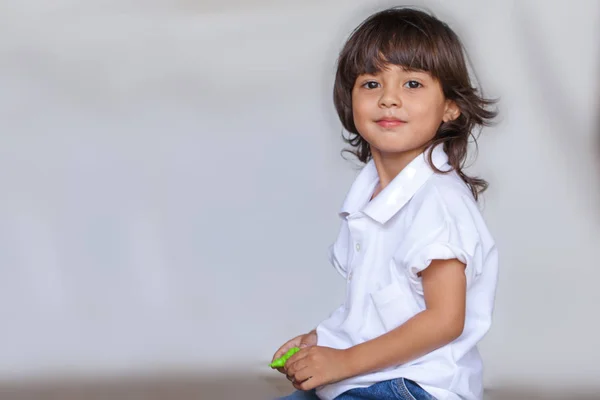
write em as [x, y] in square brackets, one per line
[389, 122]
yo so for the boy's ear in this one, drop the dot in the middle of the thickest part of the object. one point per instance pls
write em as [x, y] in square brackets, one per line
[452, 111]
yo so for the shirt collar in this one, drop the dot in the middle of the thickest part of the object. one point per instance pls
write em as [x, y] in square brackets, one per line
[397, 193]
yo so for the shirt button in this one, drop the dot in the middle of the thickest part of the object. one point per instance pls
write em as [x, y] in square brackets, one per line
[357, 246]
[350, 276]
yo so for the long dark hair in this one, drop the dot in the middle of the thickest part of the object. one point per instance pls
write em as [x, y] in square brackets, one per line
[414, 40]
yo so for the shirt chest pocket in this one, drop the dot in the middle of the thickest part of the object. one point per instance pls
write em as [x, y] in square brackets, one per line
[394, 304]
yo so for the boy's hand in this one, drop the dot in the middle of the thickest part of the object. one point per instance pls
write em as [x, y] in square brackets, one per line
[316, 366]
[302, 341]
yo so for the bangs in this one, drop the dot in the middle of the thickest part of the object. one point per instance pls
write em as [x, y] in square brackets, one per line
[408, 45]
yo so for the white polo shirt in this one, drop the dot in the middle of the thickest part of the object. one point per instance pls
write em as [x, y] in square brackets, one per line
[381, 247]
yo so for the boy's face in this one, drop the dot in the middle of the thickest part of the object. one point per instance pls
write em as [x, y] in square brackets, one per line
[398, 110]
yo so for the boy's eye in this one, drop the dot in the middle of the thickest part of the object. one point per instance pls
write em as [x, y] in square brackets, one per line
[412, 85]
[371, 85]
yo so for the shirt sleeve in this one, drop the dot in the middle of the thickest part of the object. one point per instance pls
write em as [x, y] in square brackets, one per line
[338, 251]
[447, 242]
[335, 261]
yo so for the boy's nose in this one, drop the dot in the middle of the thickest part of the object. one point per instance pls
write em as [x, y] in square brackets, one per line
[390, 99]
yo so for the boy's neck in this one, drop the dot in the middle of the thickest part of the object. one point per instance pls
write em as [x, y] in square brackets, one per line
[389, 165]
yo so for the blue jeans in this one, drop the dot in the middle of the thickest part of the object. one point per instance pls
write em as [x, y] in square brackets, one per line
[395, 389]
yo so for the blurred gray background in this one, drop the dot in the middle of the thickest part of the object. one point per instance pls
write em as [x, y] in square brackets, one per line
[171, 176]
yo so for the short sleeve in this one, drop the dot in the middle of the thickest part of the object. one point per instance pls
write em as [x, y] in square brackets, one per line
[338, 251]
[449, 241]
[333, 259]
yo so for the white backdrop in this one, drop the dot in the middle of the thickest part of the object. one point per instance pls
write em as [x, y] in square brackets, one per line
[171, 176]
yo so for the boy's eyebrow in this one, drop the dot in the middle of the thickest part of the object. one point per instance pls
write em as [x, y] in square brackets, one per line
[368, 74]
[406, 70]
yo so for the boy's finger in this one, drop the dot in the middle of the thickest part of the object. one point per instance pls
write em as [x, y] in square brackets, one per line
[298, 356]
[282, 350]
[279, 354]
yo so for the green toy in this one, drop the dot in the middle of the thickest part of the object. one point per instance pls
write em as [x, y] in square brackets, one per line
[280, 362]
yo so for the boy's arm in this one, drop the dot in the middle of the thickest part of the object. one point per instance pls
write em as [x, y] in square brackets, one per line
[444, 287]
